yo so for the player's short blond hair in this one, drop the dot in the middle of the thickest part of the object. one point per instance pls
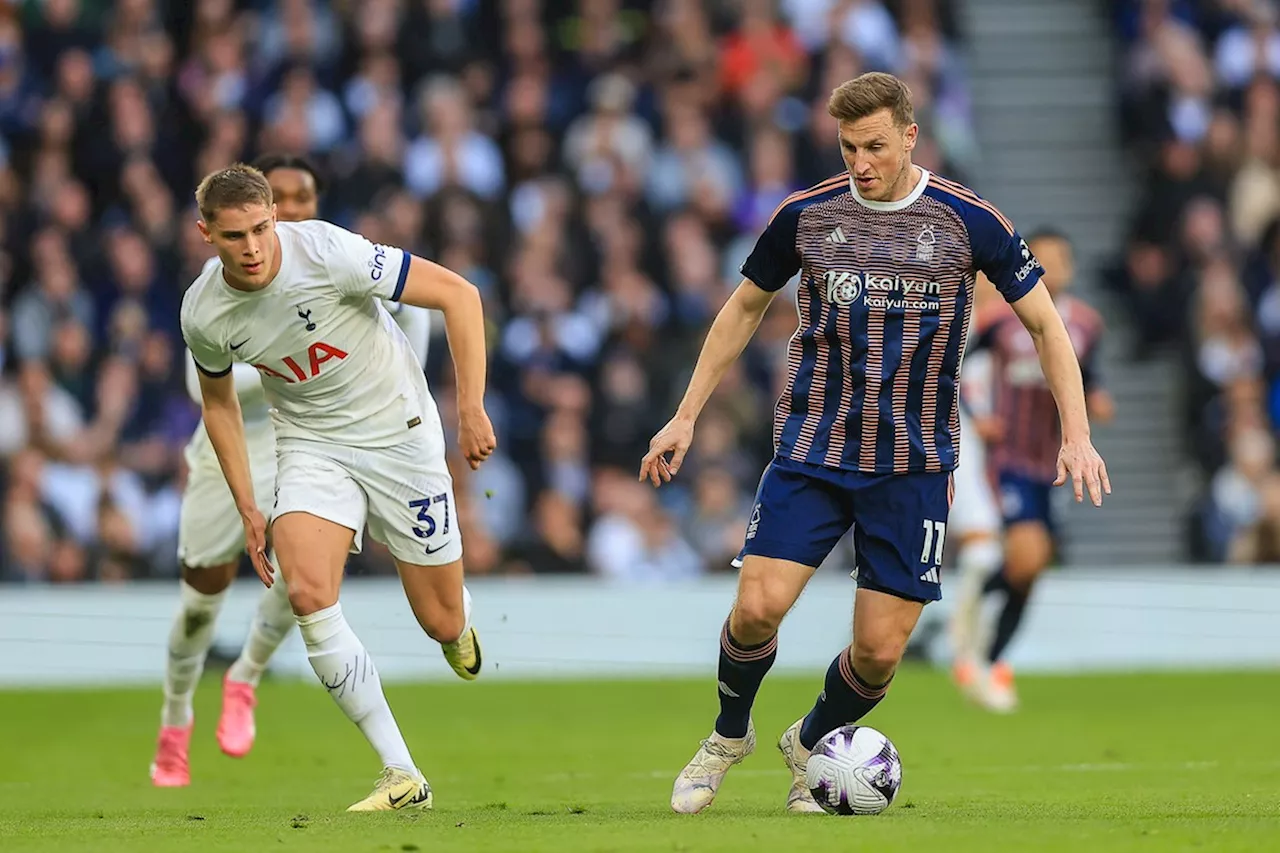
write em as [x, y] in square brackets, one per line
[239, 185]
[869, 93]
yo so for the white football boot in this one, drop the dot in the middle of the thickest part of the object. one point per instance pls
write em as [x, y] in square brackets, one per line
[698, 782]
[797, 757]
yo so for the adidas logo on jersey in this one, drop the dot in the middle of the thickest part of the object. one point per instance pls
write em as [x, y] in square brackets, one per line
[836, 236]
[931, 576]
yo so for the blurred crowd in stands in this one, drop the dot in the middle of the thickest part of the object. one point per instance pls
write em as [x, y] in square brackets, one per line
[599, 168]
[1200, 107]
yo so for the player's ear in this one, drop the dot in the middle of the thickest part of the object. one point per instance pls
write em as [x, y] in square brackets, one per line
[204, 231]
[274, 217]
[910, 136]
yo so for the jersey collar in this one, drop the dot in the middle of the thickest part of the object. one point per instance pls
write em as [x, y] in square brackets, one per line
[889, 206]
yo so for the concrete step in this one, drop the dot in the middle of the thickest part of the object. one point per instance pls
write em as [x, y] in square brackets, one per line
[1035, 20]
[1032, 88]
[1026, 126]
[1068, 164]
[1121, 552]
[1004, 58]
[1037, 199]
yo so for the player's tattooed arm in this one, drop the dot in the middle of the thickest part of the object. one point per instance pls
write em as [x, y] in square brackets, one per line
[225, 425]
[1078, 460]
[429, 285]
[728, 337]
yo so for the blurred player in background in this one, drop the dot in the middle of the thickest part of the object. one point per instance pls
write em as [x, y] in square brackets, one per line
[866, 429]
[1023, 433]
[211, 537]
[975, 527]
[358, 435]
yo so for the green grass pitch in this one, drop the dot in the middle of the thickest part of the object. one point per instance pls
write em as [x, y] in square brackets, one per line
[1116, 763]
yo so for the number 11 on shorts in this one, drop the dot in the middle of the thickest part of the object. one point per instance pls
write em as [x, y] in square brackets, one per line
[423, 506]
[935, 536]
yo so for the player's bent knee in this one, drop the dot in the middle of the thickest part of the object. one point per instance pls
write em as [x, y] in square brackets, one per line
[210, 580]
[306, 598]
[766, 591]
[757, 613]
[875, 661]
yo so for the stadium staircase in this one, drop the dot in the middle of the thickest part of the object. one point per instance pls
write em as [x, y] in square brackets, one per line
[1043, 77]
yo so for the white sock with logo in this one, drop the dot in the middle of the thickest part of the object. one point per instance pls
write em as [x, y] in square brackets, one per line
[344, 667]
[189, 642]
[272, 622]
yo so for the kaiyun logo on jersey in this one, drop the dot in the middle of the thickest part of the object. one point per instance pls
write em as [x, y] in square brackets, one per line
[844, 288]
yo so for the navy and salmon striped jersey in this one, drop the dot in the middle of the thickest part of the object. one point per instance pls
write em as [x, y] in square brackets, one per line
[884, 301]
[1022, 399]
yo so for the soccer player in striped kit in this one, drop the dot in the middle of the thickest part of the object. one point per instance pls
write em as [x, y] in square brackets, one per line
[866, 429]
[1024, 440]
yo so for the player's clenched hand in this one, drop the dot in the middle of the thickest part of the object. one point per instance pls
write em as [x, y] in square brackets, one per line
[255, 542]
[475, 436]
[1078, 461]
[674, 438]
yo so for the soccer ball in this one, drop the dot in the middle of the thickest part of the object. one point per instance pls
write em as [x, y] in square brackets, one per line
[854, 770]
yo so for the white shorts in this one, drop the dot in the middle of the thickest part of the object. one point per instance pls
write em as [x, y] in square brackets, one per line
[404, 492]
[210, 532]
[974, 509]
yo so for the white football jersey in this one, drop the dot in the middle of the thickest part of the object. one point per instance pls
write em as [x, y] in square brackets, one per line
[334, 366]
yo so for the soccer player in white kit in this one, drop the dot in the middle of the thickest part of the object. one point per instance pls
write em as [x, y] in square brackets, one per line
[975, 517]
[358, 436]
[211, 537]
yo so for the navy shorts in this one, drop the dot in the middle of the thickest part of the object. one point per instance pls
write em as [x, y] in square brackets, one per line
[1025, 498]
[899, 523]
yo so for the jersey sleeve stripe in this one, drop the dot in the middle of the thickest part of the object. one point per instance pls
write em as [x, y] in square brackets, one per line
[969, 197]
[404, 274]
[213, 374]
[962, 192]
[817, 189]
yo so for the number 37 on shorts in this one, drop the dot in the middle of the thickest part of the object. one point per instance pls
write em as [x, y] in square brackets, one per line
[434, 516]
[433, 531]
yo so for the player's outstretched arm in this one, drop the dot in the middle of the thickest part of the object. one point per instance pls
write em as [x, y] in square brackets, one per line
[225, 425]
[1078, 460]
[728, 336]
[429, 285]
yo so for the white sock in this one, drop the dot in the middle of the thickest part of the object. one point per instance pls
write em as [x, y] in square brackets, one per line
[189, 642]
[466, 612]
[976, 562]
[344, 667]
[979, 560]
[271, 624]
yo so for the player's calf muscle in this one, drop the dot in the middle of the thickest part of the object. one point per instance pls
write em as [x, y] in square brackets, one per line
[435, 595]
[1028, 550]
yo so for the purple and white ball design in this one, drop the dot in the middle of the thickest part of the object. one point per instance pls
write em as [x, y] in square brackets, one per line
[854, 770]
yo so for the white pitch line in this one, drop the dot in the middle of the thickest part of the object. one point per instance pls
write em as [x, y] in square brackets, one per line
[1085, 767]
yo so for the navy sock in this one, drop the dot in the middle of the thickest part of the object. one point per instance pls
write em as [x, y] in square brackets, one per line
[845, 698]
[741, 670]
[1015, 604]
